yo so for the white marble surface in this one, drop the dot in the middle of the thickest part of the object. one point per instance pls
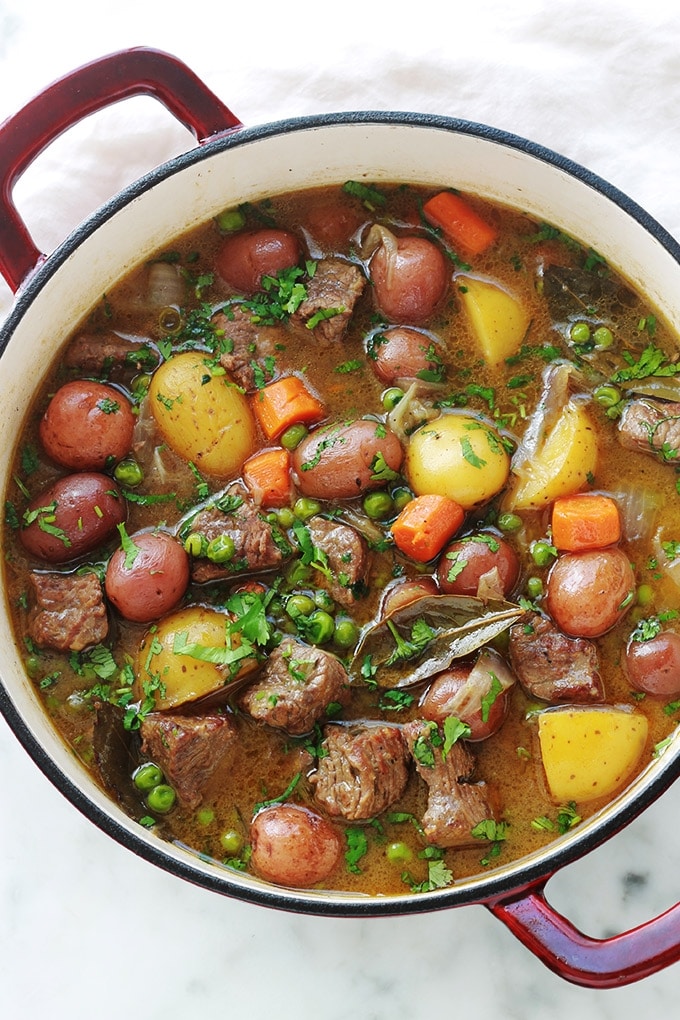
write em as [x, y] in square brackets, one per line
[86, 928]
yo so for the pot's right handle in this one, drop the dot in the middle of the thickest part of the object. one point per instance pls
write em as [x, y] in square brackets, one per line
[136, 71]
[593, 963]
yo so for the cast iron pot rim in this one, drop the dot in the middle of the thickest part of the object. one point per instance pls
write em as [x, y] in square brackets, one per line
[498, 886]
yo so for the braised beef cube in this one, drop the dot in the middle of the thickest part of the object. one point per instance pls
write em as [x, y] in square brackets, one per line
[295, 687]
[348, 557]
[553, 667]
[364, 770]
[335, 288]
[651, 426]
[454, 804]
[189, 749]
[249, 349]
[68, 611]
[258, 545]
[108, 355]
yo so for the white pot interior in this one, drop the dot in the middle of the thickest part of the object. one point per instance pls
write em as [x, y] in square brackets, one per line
[249, 167]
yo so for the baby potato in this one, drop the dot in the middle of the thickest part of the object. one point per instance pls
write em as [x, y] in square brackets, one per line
[202, 417]
[589, 753]
[459, 456]
[187, 675]
[499, 321]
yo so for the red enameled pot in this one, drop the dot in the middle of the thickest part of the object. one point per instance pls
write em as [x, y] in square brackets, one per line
[233, 164]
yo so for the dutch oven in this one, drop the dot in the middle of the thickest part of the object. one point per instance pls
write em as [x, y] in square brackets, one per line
[233, 164]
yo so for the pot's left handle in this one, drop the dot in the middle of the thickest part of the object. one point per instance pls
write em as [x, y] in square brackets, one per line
[136, 71]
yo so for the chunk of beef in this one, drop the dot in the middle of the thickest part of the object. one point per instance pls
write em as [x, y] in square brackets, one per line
[454, 804]
[188, 749]
[363, 771]
[68, 612]
[336, 286]
[258, 544]
[651, 426]
[553, 667]
[295, 687]
[108, 355]
[250, 346]
[347, 555]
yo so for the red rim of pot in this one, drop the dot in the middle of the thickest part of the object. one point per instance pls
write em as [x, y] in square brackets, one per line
[516, 898]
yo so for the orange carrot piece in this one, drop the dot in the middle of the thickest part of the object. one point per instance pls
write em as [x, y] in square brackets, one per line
[284, 403]
[459, 221]
[267, 475]
[425, 525]
[585, 521]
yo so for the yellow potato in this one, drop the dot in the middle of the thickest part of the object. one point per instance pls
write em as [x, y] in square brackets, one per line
[499, 320]
[459, 456]
[563, 464]
[187, 674]
[589, 753]
[202, 417]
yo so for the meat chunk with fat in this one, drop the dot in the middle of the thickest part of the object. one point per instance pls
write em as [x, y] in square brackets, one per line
[188, 749]
[454, 804]
[347, 554]
[335, 287]
[553, 667]
[297, 684]
[363, 770]
[108, 355]
[249, 346]
[258, 544]
[68, 611]
[651, 426]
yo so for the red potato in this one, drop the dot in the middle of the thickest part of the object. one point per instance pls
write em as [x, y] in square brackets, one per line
[411, 282]
[477, 695]
[653, 666]
[406, 354]
[87, 426]
[344, 460]
[72, 517]
[332, 223]
[293, 846]
[148, 578]
[245, 258]
[589, 592]
[484, 558]
[402, 592]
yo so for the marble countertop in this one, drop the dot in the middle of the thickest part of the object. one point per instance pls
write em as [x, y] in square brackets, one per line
[88, 929]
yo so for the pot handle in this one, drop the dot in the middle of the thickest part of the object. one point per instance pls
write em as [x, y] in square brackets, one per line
[586, 961]
[136, 71]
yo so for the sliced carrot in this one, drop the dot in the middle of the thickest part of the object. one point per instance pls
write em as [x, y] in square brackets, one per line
[586, 520]
[459, 221]
[267, 475]
[425, 525]
[284, 403]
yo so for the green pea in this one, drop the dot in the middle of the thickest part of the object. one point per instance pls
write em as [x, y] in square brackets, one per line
[509, 522]
[140, 385]
[129, 473]
[580, 332]
[400, 497]
[33, 665]
[195, 544]
[398, 853]
[534, 587]
[645, 595]
[205, 816]
[607, 396]
[293, 436]
[346, 633]
[147, 777]
[220, 549]
[378, 505]
[543, 553]
[285, 517]
[297, 574]
[299, 605]
[231, 220]
[319, 627]
[323, 600]
[304, 508]
[391, 398]
[603, 338]
[161, 799]
[232, 841]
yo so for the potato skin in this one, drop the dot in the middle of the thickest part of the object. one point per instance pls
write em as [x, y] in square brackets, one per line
[653, 666]
[589, 592]
[337, 461]
[464, 561]
[293, 846]
[203, 418]
[83, 508]
[410, 285]
[153, 583]
[404, 354]
[87, 426]
[246, 257]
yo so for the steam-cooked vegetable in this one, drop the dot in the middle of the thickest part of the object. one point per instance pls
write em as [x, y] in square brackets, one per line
[499, 320]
